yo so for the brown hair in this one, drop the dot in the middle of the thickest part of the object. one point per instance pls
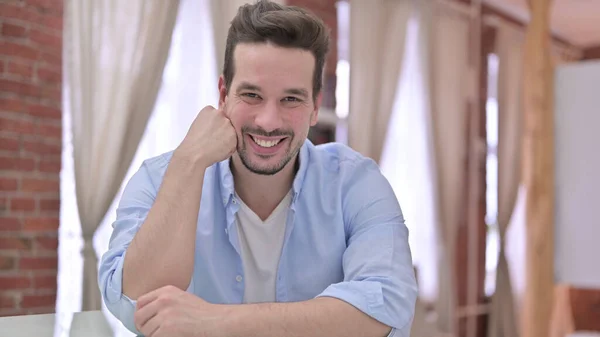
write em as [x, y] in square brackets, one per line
[284, 26]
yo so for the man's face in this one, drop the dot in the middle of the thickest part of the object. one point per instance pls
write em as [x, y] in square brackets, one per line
[270, 104]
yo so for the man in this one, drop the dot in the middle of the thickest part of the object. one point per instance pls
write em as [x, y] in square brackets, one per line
[248, 229]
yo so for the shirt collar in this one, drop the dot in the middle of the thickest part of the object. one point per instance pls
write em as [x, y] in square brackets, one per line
[227, 183]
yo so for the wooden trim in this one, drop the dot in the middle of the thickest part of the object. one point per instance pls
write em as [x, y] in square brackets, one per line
[592, 53]
[538, 151]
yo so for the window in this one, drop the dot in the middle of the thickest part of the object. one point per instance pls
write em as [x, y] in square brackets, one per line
[491, 216]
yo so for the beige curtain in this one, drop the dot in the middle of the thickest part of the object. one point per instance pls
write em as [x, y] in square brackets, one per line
[377, 34]
[223, 11]
[115, 55]
[445, 46]
[509, 48]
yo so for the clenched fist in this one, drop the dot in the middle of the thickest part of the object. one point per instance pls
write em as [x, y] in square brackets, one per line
[210, 139]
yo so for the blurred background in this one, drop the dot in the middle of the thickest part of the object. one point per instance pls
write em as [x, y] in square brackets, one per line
[483, 115]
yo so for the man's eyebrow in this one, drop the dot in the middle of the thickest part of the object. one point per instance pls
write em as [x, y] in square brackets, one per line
[248, 86]
[296, 91]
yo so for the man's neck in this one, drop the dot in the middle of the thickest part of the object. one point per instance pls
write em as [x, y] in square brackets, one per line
[262, 193]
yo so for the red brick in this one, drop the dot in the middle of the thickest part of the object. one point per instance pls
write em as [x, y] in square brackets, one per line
[49, 205]
[3, 204]
[18, 50]
[12, 312]
[52, 59]
[42, 146]
[17, 243]
[37, 301]
[16, 125]
[48, 130]
[8, 184]
[49, 166]
[39, 185]
[26, 89]
[45, 40]
[8, 263]
[44, 111]
[8, 301]
[47, 224]
[12, 105]
[19, 12]
[53, 22]
[1, 66]
[17, 164]
[9, 224]
[42, 282]
[52, 91]
[46, 243]
[12, 30]
[48, 75]
[14, 282]
[9, 144]
[20, 69]
[38, 263]
[22, 204]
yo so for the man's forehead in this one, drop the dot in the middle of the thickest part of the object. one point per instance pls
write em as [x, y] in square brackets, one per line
[261, 64]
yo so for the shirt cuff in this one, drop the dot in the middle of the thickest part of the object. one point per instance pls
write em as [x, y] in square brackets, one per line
[121, 306]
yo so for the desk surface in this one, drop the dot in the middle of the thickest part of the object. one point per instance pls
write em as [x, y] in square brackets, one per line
[89, 324]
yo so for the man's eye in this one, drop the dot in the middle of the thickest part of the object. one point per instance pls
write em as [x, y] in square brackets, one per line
[291, 99]
[250, 95]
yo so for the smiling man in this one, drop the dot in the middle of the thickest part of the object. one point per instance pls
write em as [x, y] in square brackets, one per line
[247, 228]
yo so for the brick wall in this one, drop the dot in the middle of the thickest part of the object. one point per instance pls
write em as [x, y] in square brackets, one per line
[30, 153]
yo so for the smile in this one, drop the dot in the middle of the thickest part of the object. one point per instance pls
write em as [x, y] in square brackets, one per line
[266, 143]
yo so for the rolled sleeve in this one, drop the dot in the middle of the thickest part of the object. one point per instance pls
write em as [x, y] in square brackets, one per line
[379, 277]
[134, 206]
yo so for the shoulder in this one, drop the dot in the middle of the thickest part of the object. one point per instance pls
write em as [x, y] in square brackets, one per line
[342, 161]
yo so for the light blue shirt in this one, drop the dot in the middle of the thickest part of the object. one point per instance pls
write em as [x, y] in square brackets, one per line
[345, 238]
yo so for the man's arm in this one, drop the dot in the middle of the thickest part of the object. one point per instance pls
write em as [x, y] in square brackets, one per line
[162, 251]
[318, 317]
[154, 236]
[169, 311]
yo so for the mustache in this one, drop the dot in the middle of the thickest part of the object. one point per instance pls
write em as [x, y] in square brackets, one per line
[262, 132]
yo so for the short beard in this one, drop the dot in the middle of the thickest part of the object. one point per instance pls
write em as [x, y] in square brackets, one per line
[290, 153]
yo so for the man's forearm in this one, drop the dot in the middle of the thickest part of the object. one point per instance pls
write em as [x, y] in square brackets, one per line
[162, 251]
[324, 316]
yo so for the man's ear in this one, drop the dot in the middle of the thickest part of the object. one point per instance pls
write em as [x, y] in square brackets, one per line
[222, 91]
[314, 117]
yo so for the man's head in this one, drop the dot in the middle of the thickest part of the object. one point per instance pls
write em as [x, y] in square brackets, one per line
[272, 80]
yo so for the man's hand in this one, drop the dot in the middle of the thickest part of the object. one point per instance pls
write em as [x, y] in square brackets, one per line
[170, 311]
[211, 137]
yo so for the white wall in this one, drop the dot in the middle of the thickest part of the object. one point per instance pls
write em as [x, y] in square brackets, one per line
[577, 139]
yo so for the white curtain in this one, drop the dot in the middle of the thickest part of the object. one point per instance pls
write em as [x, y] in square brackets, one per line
[407, 162]
[445, 54]
[189, 82]
[115, 55]
[377, 35]
[509, 47]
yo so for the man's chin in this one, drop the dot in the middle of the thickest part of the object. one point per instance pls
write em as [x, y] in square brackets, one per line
[263, 165]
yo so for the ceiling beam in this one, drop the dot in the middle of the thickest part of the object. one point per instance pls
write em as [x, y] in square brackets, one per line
[592, 53]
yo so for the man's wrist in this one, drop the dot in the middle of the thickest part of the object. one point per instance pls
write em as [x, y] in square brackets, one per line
[196, 161]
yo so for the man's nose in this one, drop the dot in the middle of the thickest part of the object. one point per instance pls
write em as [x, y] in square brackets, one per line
[269, 118]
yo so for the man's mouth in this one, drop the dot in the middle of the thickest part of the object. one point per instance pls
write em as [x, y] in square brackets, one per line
[266, 143]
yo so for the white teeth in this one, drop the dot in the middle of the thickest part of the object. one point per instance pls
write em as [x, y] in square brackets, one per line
[266, 143]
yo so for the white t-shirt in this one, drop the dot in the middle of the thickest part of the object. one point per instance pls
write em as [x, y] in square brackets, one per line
[261, 243]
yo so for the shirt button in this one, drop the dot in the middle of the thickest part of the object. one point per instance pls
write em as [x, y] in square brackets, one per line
[234, 201]
[238, 278]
